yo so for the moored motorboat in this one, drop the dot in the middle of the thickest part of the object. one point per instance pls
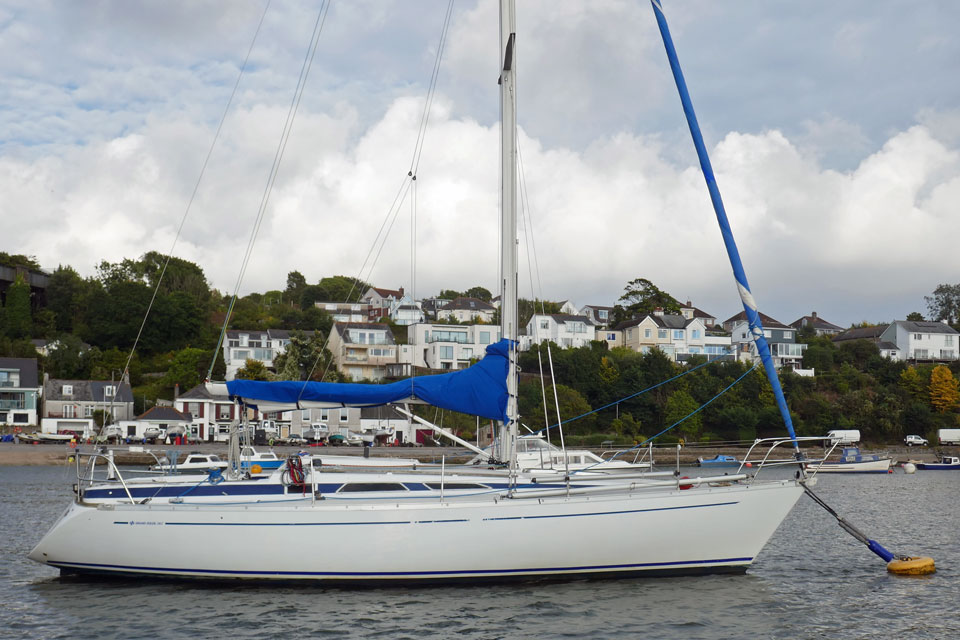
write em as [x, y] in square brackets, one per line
[943, 463]
[852, 461]
[719, 460]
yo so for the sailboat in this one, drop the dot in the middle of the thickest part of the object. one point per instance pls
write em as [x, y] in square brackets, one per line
[441, 528]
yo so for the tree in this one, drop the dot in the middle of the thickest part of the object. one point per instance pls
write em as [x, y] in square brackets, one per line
[17, 310]
[295, 285]
[944, 393]
[188, 369]
[944, 304]
[641, 297]
[65, 289]
[679, 405]
[910, 382]
[478, 292]
[915, 316]
[253, 370]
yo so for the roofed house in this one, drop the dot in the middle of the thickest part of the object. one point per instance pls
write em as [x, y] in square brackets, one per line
[675, 335]
[781, 338]
[467, 310]
[820, 326]
[560, 328]
[598, 315]
[362, 350]
[912, 341]
[253, 344]
[70, 405]
[690, 312]
[19, 392]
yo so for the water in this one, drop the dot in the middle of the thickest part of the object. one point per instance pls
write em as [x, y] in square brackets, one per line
[811, 581]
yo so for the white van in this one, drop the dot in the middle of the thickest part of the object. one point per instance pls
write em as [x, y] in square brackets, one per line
[842, 437]
[948, 436]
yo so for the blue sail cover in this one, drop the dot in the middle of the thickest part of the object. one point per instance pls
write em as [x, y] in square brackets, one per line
[480, 390]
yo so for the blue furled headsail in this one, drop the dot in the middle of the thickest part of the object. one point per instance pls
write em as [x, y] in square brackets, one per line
[480, 390]
[746, 297]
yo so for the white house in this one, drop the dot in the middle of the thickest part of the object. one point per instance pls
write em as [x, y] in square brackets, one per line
[346, 311]
[922, 341]
[467, 310]
[562, 329]
[599, 316]
[447, 346]
[406, 311]
[243, 345]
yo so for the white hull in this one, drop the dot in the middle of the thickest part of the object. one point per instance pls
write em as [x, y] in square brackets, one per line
[867, 466]
[702, 530]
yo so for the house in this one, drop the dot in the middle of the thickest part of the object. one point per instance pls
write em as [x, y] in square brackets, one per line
[19, 392]
[598, 316]
[690, 312]
[446, 346]
[70, 405]
[380, 301]
[405, 311]
[781, 338]
[349, 311]
[922, 341]
[162, 418]
[613, 337]
[562, 329]
[262, 345]
[568, 308]
[362, 350]
[677, 336]
[467, 310]
[211, 416]
[872, 334]
[430, 307]
[820, 326]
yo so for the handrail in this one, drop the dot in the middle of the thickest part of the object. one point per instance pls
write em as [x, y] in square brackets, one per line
[776, 442]
[93, 456]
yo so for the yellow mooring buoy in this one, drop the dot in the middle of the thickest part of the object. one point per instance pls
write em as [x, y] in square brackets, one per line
[918, 566]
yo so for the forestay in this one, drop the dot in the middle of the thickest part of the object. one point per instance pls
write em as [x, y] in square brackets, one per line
[480, 390]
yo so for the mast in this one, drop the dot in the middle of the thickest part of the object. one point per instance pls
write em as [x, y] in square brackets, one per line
[508, 219]
[743, 287]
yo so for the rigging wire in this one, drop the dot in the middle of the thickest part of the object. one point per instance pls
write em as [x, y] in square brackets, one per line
[274, 169]
[407, 185]
[193, 194]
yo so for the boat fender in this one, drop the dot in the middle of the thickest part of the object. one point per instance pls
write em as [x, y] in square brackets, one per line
[255, 468]
[909, 467]
[684, 487]
[912, 566]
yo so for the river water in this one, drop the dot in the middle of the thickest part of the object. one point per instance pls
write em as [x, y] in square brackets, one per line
[811, 581]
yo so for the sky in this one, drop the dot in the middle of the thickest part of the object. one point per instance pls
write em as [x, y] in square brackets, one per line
[833, 128]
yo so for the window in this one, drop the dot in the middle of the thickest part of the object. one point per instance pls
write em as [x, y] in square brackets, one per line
[467, 353]
[602, 314]
[544, 324]
[647, 333]
[629, 334]
[947, 354]
[109, 392]
[695, 334]
[678, 334]
[241, 354]
[344, 415]
[484, 337]
[918, 336]
[446, 353]
[223, 412]
[305, 414]
[69, 411]
[948, 341]
[9, 378]
[324, 415]
[88, 411]
[920, 354]
[68, 389]
[611, 337]
[662, 334]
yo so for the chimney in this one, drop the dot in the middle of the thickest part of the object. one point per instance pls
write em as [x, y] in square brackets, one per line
[176, 391]
[401, 292]
[813, 315]
[689, 304]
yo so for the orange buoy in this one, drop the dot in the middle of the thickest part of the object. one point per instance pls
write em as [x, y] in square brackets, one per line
[912, 566]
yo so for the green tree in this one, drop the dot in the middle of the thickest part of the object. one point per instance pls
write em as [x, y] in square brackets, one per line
[188, 368]
[641, 297]
[65, 291]
[679, 405]
[911, 383]
[915, 316]
[944, 304]
[295, 285]
[254, 370]
[17, 309]
[478, 292]
[944, 393]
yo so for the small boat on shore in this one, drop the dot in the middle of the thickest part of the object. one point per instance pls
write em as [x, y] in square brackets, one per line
[852, 461]
[944, 463]
[719, 460]
[193, 462]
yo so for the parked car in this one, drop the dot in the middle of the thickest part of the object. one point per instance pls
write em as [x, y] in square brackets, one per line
[296, 440]
[915, 440]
